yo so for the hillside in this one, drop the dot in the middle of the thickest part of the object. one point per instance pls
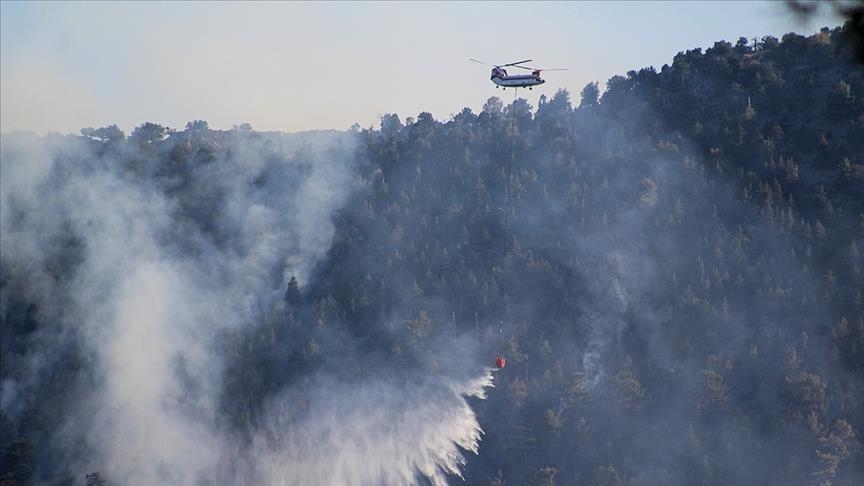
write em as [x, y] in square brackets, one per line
[680, 284]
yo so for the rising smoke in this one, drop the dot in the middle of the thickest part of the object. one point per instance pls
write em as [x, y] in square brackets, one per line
[679, 288]
[145, 265]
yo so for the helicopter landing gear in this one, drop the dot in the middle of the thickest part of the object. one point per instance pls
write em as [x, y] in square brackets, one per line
[530, 88]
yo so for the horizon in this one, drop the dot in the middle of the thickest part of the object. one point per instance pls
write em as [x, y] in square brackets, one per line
[74, 65]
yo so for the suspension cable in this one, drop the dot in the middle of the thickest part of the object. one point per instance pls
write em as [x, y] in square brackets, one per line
[507, 210]
[510, 165]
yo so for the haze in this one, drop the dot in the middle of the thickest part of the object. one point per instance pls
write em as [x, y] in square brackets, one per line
[296, 66]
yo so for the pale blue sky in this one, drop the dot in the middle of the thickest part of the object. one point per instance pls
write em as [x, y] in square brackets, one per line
[295, 66]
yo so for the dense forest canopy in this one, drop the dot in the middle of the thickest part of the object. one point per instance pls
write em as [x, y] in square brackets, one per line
[679, 286]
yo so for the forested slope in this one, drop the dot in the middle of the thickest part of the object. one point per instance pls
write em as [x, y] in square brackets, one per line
[680, 280]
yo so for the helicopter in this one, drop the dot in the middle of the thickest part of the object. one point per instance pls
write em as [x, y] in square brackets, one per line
[502, 79]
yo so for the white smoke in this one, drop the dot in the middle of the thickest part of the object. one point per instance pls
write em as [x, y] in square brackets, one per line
[151, 294]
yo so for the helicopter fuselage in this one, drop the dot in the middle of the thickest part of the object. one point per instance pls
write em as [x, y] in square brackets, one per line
[500, 77]
[520, 81]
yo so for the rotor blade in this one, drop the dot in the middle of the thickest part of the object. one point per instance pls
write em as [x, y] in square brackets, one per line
[517, 62]
[556, 69]
[523, 67]
[481, 62]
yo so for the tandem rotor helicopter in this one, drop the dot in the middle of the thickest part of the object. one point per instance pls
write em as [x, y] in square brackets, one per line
[516, 81]
[502, 79]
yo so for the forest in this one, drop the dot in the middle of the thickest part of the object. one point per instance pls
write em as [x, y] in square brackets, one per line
[672, 267]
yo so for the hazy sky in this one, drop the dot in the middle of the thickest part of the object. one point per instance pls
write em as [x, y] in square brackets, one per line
[295, 66]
